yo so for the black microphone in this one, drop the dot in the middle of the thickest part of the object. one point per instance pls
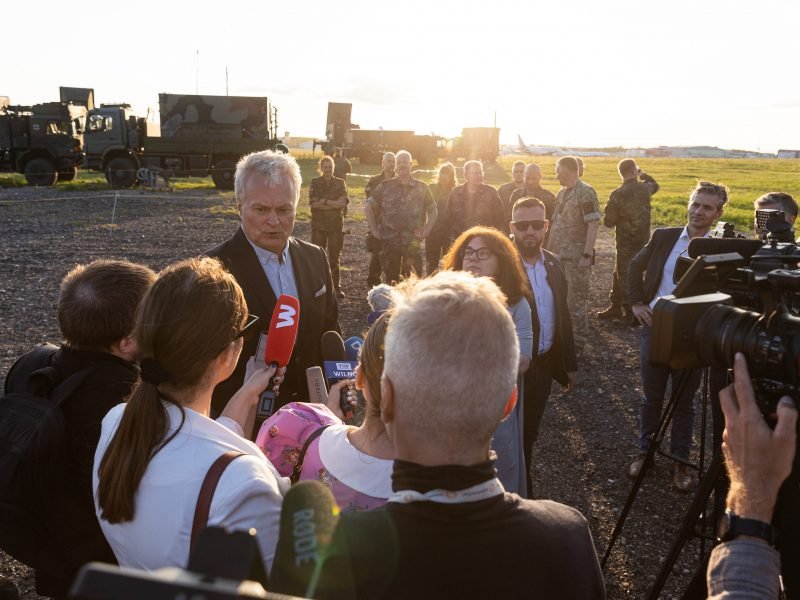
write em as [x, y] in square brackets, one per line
[308, 520]
[337, 367]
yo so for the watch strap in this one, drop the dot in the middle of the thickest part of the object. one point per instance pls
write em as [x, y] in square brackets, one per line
[739, 526]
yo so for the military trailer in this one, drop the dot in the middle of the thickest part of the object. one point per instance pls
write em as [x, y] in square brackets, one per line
[476, 143]
[369, 145]
[198, 136]
[43, 141]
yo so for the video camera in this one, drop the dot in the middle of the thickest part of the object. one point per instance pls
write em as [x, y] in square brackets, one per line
[737, 295]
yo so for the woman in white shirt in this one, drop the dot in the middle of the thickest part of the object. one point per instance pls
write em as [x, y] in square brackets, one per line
[156, 449]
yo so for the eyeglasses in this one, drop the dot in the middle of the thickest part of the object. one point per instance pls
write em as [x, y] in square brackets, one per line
[249, 328]
[525, 225]
[479, 254]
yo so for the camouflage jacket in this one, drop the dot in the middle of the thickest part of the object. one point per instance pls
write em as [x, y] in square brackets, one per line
[547, 198]
[374, 182]
[505, 192]
[341, 167]
[330, 189]
[628, 210]
[402, 209]
[482, 208]
[575, 207]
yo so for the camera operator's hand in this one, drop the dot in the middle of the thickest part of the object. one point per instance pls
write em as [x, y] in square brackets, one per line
[758, 459]
[643, 314]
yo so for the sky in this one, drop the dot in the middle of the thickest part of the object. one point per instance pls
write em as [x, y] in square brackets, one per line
[582, 73]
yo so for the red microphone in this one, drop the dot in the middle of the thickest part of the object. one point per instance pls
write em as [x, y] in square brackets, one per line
[280, 343]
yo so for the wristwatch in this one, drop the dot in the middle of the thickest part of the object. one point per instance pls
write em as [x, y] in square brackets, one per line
[732, 526]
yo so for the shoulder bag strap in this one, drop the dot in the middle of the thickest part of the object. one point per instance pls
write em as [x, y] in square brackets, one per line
[295, 476]
[206, 494]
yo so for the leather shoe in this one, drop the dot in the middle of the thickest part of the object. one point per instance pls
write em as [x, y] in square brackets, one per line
[636, 465]
[612, 312]
[682, 477]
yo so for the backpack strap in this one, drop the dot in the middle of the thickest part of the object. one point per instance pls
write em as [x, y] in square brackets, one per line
[295, 476]
[206, 494]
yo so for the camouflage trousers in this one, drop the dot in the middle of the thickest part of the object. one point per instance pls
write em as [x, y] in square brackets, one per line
[578, 299]
[619, 282]
[331, 242]
[395, 253]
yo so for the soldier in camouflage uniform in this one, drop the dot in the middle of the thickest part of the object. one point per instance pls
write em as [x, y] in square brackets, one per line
[373, 243]
[532, 180]
[628, 210]
[327, 196]
[507, 189]
[474, 203]
[572, 237]
[401, 213]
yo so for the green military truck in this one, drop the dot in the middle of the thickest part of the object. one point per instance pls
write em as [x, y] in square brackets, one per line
[198, 136]
[43, 141]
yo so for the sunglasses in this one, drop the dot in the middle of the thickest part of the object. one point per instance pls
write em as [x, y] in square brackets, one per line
[524, 225]
[249, 328]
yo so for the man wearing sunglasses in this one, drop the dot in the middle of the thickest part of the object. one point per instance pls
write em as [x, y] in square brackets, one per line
[553, 343]
[533, 188]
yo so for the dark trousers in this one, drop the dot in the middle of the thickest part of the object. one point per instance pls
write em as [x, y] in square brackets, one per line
[395, 255]
[654, 384]
[436, 245]
[331, 242]
[537, 381]
[619, 286]
[375, 271]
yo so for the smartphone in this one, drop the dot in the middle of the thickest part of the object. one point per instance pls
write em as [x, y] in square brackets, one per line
[261, 350]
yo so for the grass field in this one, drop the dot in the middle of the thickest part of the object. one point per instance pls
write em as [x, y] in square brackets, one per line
[746, 180]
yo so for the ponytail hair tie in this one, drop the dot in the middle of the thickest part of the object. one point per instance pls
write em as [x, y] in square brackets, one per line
[153, 373]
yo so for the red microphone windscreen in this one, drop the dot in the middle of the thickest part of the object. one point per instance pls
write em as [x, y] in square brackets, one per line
[282, 331]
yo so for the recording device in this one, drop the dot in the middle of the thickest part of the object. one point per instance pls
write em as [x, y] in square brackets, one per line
[725, 304]
[764, 216]
[308, 521]
[352, 346]
[337, 367]
[725, 230]
[317, 390]
[278, 346]
[222, 567]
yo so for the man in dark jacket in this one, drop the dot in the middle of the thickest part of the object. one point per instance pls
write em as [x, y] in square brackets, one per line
[552, 325]
[474, 203]
[96, 311]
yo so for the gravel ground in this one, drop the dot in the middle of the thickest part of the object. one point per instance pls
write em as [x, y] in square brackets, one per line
[588, 435]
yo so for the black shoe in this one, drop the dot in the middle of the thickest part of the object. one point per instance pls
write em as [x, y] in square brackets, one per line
[612, 312]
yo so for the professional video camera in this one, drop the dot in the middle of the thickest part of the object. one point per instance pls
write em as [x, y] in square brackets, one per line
[737, 296]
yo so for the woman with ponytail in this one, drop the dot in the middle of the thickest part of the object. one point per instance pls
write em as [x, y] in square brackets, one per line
[156, 449]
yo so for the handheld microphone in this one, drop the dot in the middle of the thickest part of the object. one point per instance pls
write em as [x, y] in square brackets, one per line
[280, 343]
[337, 367]
[308, 520]
[352, 345]
[317, 390]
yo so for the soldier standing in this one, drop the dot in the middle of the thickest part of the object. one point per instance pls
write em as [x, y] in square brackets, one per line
[401, 213]
[474, 203]
[373, 243]
[572, 237]
[507, 189]
[532, 187]
[628, 210]
[341, 166]
[327, 196]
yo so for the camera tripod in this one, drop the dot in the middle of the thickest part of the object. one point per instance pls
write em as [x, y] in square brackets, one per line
[700, 500]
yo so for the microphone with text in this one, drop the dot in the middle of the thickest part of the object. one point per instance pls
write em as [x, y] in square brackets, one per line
[308, 521]
[280, 343]
[337, 366]
[352, 346]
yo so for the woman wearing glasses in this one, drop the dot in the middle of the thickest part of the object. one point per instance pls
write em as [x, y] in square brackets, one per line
[156, 449]
[485, 252]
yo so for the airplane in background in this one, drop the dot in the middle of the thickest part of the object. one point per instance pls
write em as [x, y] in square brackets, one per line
[554, 150]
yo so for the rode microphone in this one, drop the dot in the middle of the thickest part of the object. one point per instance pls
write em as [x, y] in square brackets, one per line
[337, 367]
[352, 346]
[280, 343]
[308, 520]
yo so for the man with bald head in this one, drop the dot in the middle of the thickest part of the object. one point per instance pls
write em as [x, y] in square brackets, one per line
[517, 183]
[450, 530]
[532, 179]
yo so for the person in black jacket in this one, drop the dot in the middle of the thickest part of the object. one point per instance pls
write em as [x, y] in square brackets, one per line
[267, 261]
[656, 261]
[96, 312]
[553, 343]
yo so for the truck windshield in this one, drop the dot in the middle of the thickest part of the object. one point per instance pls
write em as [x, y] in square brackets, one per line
[99, 123]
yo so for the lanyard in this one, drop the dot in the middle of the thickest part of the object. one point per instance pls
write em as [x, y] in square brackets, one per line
[476, 493]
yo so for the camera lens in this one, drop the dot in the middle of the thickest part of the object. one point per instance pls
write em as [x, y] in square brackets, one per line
[722, 332]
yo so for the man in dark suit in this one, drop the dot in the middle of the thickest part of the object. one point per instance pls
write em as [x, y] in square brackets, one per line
[552, 324]
[267, 261]
[656, 261]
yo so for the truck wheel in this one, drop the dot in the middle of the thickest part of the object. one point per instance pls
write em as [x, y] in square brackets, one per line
[222, 174]
[67, 172]
[41, 171]
[121, 172]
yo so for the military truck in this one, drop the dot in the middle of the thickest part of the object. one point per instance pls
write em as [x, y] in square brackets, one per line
[198, 136]
[43, 141]
[476, 143]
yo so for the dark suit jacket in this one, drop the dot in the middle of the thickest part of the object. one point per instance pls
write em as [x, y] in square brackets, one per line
[319, 310]
[650, 260]
[563, 358]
